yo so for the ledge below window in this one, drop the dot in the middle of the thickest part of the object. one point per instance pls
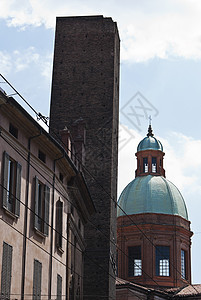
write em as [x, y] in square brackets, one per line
[38, 232]
[10, 213]
[59, 249]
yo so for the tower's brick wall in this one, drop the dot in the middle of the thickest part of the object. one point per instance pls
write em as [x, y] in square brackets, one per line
[85, 85]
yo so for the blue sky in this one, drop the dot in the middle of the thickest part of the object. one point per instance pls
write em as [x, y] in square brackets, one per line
[160, 59]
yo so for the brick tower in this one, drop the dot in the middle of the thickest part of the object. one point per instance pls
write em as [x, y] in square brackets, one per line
[85, 86]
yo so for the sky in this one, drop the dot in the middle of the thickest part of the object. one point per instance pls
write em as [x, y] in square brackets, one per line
[160, 74]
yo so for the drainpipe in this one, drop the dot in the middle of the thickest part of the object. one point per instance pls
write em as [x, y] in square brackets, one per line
[25, 215]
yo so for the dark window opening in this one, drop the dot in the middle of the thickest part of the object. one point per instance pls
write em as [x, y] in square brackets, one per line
[13, 130]
[59, 287]
[134, 261]
[154, 165]
[183, 264]
[162, 261]
[41, 156]
[59, 223]
[11, 184]
[145, 165]
[61, 177]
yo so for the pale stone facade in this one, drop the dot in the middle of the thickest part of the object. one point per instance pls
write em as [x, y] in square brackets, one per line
[44, 206]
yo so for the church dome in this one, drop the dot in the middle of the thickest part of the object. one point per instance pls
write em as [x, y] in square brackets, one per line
[151, 194]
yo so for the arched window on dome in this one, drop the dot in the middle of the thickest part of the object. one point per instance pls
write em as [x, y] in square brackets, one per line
[145, 165]
[154, 165]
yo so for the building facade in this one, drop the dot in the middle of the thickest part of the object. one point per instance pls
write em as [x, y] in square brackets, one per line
[44, 205]
[85, 85]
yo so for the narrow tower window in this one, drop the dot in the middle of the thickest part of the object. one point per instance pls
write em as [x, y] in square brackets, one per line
[183, 264]
[162, 261]
[145, 164]
[153, 166]
[134, 261]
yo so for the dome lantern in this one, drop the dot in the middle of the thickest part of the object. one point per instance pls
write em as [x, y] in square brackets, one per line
[150, 156]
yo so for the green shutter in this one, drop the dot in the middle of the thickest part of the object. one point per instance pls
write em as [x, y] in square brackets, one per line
[18, 189]
[59, 287]
[6, 271]
[5, 179]
[36, 204]
[46, 210]
[37, 276]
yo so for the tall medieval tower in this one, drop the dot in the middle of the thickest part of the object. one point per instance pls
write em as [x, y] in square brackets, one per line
[85, 88]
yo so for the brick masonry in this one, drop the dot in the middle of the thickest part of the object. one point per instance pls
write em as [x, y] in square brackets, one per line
[86, 85]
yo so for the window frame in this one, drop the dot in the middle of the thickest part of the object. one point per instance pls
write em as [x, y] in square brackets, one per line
[6, 272]
[145, 165]
[12, 173]
[42, 204]
[37, 280]
[162, 260]
[135, 262]
[59, 224]
[184, 264]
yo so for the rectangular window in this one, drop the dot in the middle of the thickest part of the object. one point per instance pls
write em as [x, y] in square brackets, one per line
[162, 261]
[11, 184]
[13, 130]
[61, 177]
[42, 203]
[41, 156]
[59, 287]
[145, 165]
[183, 264]
[37, 276]
[153, 166]
[6, 271]
[134, 261]
[59, 223]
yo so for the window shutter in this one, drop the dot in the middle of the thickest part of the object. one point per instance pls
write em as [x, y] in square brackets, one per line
[59, 287]
[36, 204]
[37, 276]
[46, 210]
[18, 189]
[6, 271]
[5, 179]
[59, 223]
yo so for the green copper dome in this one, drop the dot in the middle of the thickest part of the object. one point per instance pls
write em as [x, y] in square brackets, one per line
[150, 143]
[151, 194]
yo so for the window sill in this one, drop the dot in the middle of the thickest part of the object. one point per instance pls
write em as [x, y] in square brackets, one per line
[10, 213]
[38, 232]
[60, 250]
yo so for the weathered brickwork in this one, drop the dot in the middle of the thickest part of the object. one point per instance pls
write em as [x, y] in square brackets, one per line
[85, 85]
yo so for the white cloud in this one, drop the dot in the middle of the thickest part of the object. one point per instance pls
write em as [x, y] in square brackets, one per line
[5, 62]
[151, 29]
[18, 61]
